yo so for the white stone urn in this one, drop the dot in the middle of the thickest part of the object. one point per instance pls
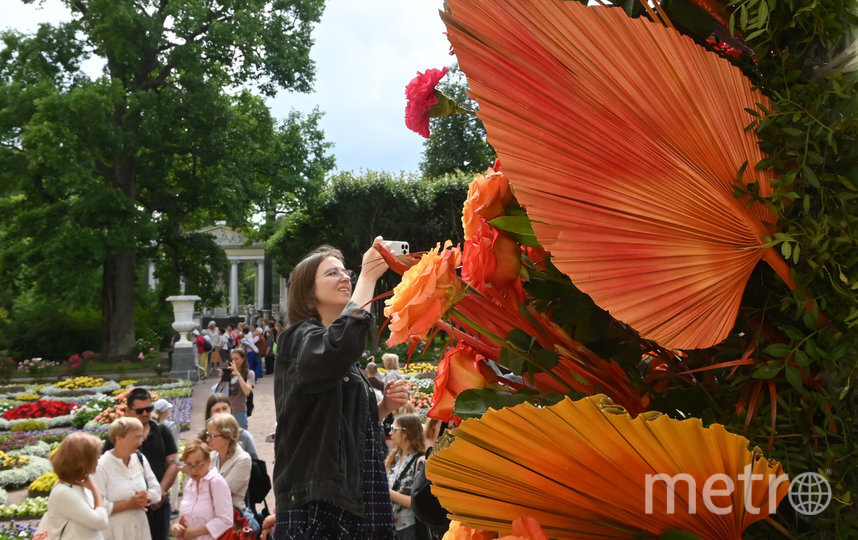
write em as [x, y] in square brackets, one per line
[183, 312]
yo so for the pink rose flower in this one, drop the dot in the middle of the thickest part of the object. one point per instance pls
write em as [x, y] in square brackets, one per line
[420, 93]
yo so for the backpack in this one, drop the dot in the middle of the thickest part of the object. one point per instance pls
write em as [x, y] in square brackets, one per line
[207, 345]
[259, 484]
[249, 402]
[425, 505]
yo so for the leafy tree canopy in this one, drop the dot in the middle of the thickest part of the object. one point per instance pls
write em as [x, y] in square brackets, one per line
[97, 172]
[352, 209]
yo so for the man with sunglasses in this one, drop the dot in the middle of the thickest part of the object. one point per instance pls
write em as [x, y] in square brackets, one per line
[160, 450]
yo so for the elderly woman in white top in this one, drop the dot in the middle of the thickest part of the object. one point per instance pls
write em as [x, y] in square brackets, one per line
[127, 482]
[75, 507]
[230, 460]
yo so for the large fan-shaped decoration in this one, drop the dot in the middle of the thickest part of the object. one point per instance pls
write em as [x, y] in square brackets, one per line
[580, 468]
[623, 140]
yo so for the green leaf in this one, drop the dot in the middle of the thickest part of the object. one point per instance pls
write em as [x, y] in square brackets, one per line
[512, 360]
[519, 227]
[793, 377]
[778, 350]
[474, 402]
[786, 250]
[767, 371]
[810, 176]
[546, 359]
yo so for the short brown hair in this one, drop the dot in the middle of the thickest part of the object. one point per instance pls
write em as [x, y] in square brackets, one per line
[122, 427]
[196, 445]
[302, 284]
[76, 457]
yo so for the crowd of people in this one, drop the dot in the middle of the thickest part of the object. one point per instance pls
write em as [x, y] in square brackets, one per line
[347, 445]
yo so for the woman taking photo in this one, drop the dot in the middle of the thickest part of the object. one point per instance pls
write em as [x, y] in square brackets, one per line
[329, 480]
[407, 450]
[206, 509]
[237, 383]
[75, 508]
[219, 403]
[126, 481]
[231, 461]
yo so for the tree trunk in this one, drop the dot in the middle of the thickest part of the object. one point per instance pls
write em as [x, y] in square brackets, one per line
[117, 307]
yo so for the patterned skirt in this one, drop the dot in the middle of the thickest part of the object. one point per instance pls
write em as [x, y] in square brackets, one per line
[321, 520]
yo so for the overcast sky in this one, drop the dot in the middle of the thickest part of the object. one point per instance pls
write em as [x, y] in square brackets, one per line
[365, 51]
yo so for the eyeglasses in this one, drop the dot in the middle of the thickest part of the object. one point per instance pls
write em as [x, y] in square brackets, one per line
[338, 273]
[213, 435]
[396, 428]
[143, 410]
[196, 465]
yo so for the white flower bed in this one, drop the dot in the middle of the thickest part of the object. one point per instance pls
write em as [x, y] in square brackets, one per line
[4, 496]
[56, 421]
[26, 474]
[40, 449]
[80, 400]
[169, 386]
[107, 388]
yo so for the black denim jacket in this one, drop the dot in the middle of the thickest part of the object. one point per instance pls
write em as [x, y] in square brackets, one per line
[321, 397]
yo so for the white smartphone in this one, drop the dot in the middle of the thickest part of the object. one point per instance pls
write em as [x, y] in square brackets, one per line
[397, 247]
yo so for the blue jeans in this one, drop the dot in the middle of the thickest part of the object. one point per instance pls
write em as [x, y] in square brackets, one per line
[241, 418]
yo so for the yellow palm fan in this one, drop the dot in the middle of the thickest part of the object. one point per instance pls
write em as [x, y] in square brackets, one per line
[622, 138]
[587, 469]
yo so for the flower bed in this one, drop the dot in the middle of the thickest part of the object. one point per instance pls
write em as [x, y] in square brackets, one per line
[24, 473]
[22, 444]
[51, 413]
[103, 387]
[14, 530]
[31, 508]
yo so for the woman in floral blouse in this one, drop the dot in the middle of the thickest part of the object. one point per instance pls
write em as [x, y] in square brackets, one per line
[407, 451]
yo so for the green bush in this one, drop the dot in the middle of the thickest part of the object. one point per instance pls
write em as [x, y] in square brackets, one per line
[32, 318]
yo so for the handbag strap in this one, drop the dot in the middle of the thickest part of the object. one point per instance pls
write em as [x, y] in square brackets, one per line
[140, 458]
[396, 481]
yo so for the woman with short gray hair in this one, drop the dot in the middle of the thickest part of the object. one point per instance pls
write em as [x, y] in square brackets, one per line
[126, 482]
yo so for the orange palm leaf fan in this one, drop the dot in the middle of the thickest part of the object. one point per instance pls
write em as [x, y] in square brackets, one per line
[622, 138]
[582, 470]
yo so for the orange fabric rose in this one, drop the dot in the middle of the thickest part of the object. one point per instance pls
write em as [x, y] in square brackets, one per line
[487, 197]
[525, 528]
[460, 369]
[457, 531]
[427, 291]
[491, 257]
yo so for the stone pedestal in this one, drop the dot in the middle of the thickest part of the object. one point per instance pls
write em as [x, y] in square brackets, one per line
[184, 365]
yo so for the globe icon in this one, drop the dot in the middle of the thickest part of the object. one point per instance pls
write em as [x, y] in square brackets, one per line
[809, 493]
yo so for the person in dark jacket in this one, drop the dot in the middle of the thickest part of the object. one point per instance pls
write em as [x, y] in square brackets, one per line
[329, 475]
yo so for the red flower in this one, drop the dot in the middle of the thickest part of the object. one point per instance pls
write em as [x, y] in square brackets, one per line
[39, 409]
[491, 257]
[420, 93]
[460, 369]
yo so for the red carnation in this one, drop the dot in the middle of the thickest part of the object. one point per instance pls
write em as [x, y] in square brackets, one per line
[420, 93]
